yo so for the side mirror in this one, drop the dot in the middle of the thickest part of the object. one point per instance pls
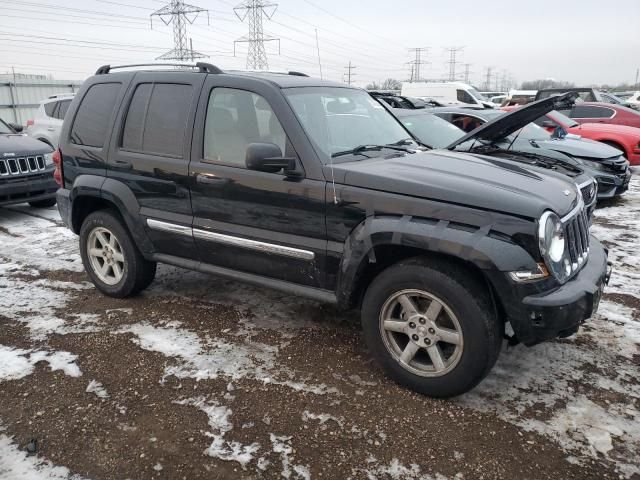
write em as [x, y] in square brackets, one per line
[16, 128]
[267, 157]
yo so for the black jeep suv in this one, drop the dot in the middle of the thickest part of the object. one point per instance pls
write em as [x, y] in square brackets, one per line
[314, 188]
[26, 169]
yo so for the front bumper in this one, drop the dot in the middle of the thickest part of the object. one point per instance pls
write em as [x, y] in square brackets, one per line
[27, 188]
[611, 185]
[560, 312]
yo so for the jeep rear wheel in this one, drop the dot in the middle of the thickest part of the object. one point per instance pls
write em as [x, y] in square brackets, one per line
[111, 259]
[430, 327]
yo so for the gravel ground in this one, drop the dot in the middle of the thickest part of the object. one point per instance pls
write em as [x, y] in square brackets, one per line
[200, 377]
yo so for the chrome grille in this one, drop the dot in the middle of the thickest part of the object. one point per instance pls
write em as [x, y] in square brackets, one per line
[21, 165]
[576, 226]
[589, 192]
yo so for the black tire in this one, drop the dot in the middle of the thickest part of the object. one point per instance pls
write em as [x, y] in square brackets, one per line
[49, 202]
[138, 273]
[466, 298]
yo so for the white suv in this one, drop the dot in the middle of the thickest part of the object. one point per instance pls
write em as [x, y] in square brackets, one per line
[48, 120]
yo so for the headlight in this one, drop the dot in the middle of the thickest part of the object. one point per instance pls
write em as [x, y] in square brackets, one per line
[48, 158]
[553, 246]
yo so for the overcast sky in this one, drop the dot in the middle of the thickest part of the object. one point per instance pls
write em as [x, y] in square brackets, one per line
[583, 41]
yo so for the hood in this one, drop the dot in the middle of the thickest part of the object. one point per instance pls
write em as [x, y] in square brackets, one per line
[20, 144]
[580, 148]
[477, 181]
[505, 125]
[606, 128]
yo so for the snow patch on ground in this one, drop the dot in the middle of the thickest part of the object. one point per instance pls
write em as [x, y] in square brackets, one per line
[98, 389]
[220, 425]
[15, 464]
[16, 363]
[281, 444]
[395, 470]
[200, 359]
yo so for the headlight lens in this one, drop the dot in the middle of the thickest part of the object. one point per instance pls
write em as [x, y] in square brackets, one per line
[48, 158]
[552, 244]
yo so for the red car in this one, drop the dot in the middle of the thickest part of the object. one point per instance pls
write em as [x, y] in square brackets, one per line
[622, 137]
[595, 112]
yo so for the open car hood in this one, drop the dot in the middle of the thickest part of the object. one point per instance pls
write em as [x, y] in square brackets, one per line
[505, 125]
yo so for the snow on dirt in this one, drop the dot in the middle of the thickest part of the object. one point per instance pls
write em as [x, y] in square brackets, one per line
[581, 393]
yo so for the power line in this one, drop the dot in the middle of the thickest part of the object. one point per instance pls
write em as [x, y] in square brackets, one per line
[179, 14]
[349, 73]
[417, 62]
[253, 11]
[453, 52]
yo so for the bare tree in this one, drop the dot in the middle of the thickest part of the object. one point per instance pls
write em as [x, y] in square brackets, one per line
[546, 83]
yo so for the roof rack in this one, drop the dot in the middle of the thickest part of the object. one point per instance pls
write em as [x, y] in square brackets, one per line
[202, 67]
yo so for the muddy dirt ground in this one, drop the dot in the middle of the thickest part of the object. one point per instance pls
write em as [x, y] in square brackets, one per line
[201, 378]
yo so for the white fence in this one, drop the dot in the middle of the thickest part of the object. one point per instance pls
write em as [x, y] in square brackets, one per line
[21, 94]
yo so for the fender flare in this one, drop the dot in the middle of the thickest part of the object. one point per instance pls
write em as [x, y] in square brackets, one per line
[118, 194]
[436, 237]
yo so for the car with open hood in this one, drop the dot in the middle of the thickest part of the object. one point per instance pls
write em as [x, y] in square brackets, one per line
[313, 188]
[26, 169]
[437, 133]
[517, 130]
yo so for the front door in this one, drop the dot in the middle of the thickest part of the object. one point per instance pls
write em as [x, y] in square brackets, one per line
[262, 223]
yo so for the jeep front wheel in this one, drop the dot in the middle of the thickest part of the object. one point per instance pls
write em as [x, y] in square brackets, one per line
[431, 327]
[110, 257]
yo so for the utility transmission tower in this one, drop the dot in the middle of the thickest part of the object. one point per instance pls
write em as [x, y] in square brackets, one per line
[467, 72]
[179, 14]
[348, 75]
[415, 64]
[252, 11]
[453, 53]
[488, 76]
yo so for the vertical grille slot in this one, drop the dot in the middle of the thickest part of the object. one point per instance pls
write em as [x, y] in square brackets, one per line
[4, 168]
[33, 166]
[41, 163]
[577, 234]
[13, 166]
[24, 167]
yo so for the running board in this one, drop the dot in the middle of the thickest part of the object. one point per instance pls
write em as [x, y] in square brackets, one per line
[318, 294]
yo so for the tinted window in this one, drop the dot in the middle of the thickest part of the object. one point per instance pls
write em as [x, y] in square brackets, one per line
[463, 96]
[48, 108]
[590, 111]
[157, 119]
[92, 119]
[63, 106]
[236, 118]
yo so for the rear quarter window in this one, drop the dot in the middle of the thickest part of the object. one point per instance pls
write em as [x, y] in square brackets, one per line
[91, 123]
[49, 107]
[589, 111]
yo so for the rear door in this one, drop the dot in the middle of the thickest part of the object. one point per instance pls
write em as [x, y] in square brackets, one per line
[150, 154]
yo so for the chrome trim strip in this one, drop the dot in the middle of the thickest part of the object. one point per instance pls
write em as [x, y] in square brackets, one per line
[169, 227]
[254, 244]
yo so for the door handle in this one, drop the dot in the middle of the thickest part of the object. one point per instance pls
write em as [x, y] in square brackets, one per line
[51, 129]
[208, 179]
[123, 165]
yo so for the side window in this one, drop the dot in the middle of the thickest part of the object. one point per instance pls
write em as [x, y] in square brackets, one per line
[157, 119]
[236, 118]
[463, 96]
[63, 106]
[590, 111]
[92, 119]
[49, 107]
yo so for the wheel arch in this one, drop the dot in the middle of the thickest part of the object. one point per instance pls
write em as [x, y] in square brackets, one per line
[379, 243]
[90, 193]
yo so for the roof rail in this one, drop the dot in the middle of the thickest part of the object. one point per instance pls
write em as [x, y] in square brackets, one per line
[201, 66]
[297, 74]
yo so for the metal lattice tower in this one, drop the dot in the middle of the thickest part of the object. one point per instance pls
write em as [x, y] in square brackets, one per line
[415, 64]
[179, 14]
[453, 53]
[252, 11]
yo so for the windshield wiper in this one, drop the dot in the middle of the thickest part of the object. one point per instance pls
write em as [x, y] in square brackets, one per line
[369, 148]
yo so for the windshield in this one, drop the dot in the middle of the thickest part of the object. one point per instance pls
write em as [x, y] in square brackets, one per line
[477, 95]
[341, 119]
[562, 119]
[4, 128]
[431, 130]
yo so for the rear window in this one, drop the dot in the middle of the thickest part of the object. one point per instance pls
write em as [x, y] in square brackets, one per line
[49, 107]
[157, 119]
[61, 111]
[591, 111]
[92, 120]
